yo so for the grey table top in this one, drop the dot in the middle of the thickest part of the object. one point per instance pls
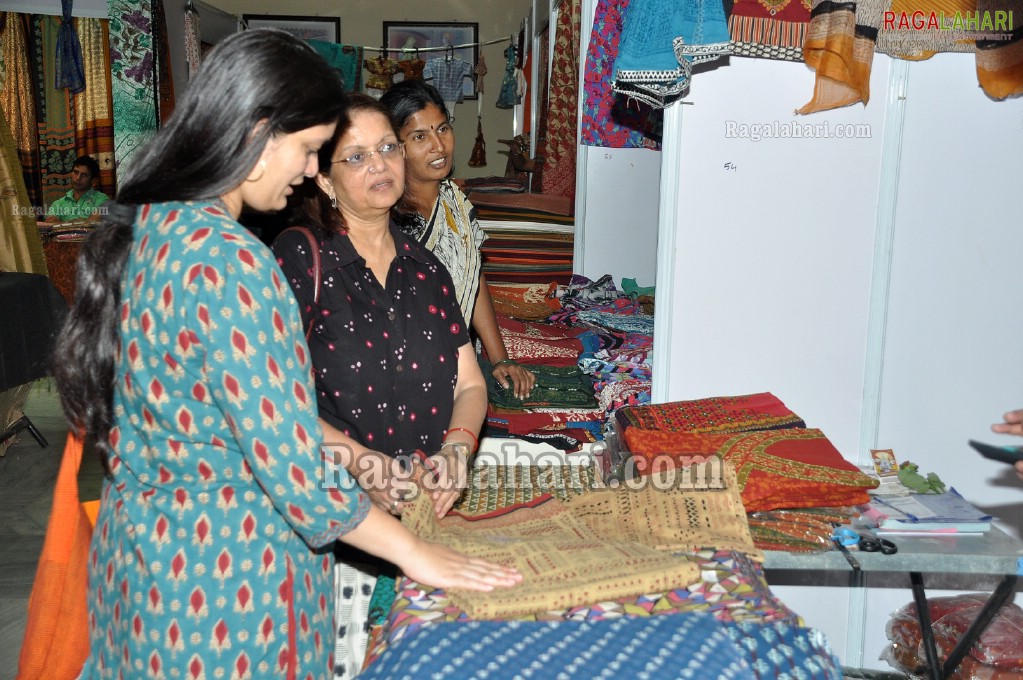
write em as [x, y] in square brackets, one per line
[993, 552]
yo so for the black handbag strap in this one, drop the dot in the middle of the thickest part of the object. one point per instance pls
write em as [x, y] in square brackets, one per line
[314, 248]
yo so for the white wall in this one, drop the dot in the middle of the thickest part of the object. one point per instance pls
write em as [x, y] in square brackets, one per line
[773, 269]
[616, 214]
[773, 247]
[617, 200]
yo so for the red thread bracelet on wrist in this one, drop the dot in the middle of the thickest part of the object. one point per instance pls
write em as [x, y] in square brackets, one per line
[475, 441]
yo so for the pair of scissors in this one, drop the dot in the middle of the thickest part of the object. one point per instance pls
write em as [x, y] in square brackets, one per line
[870, 543]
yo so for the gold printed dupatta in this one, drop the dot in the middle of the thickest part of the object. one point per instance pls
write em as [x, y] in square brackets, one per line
[596, 546]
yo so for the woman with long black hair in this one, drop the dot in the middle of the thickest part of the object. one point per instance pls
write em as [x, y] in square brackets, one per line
[184, 358]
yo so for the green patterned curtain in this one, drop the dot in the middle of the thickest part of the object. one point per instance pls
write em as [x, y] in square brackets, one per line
[132, 82]
[55, 118]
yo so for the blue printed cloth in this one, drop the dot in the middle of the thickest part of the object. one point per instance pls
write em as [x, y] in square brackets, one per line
[693, 645]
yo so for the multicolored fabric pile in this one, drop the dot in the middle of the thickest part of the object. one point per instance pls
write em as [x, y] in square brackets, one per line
[730, 587]
[599, 332]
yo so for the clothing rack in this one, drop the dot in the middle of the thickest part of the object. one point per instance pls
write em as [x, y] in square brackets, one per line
[438, 49]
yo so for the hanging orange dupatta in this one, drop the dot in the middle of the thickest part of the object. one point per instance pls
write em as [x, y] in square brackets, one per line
[56, 640]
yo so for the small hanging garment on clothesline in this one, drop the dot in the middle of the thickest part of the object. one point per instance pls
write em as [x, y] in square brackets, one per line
[478, 157]
[509, 96]
[480, 71]
[381, 69]
[412, 68]
[446, 74]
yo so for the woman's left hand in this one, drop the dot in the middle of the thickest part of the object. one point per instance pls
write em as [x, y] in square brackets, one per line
[520, 378]
[452, 474]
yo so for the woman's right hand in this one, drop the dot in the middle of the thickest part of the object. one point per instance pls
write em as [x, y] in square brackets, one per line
[439, 566]
[381, 477]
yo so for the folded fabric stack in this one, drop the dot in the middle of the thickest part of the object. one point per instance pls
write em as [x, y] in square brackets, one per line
[530, 237]
[586, 332]
[781, 464]
[494, 185]
[71, 231]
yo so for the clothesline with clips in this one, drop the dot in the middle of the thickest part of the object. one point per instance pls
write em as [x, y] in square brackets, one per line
[413, 50]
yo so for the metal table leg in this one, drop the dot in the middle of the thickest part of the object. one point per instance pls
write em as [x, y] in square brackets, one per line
[984, 617]
[962, 648]
[923, 615]
[23, 423]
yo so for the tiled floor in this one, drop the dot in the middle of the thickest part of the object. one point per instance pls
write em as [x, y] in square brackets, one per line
[27, 475]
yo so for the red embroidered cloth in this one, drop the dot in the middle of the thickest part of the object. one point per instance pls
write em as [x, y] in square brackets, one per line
[789, 468]
[762, 411]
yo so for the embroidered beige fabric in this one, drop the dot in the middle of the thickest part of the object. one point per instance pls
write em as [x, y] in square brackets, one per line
[680, 520]
[599, 545]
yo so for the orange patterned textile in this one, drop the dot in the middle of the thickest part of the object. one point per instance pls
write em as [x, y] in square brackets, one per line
[791, 468]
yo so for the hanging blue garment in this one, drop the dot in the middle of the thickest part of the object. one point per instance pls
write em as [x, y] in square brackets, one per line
[509, 96]
[70, 70]
[662, 40]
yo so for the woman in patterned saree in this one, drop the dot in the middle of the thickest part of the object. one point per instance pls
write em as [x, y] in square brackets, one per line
[437, 214]
[184, 358]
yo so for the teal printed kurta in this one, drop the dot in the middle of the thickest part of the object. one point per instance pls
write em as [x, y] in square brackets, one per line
[211, 552]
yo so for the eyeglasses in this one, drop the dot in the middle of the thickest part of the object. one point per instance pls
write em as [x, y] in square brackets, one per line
[387, 151]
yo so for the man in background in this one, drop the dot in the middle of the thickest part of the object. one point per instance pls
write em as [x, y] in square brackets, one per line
[81, 202]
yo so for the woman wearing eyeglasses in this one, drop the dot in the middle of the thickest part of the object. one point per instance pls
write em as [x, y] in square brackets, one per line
[393, 366]
[438, 215]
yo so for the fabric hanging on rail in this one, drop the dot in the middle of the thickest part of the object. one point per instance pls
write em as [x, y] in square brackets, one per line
[507, 98]
[18, 102]
[20, 249]
[133, 86]
[1000, 62]
[193, 41]
[562, 113]
[610, 120]
[163, 78]
[661, 41]
[839, 47]
[345, 59]
[54, 114]
[94, 123]
[412, 68]
[447, 76]
[771, 30]
[381, 71]
[70, 72]
[843, 37]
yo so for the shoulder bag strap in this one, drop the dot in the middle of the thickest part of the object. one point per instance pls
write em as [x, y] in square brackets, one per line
[314, 248]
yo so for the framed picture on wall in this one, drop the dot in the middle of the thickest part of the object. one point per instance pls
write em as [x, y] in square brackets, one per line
[327, 29]
[431, 40]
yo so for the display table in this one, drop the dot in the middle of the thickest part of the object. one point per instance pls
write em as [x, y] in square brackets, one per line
[32, 312]
[993, 552]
